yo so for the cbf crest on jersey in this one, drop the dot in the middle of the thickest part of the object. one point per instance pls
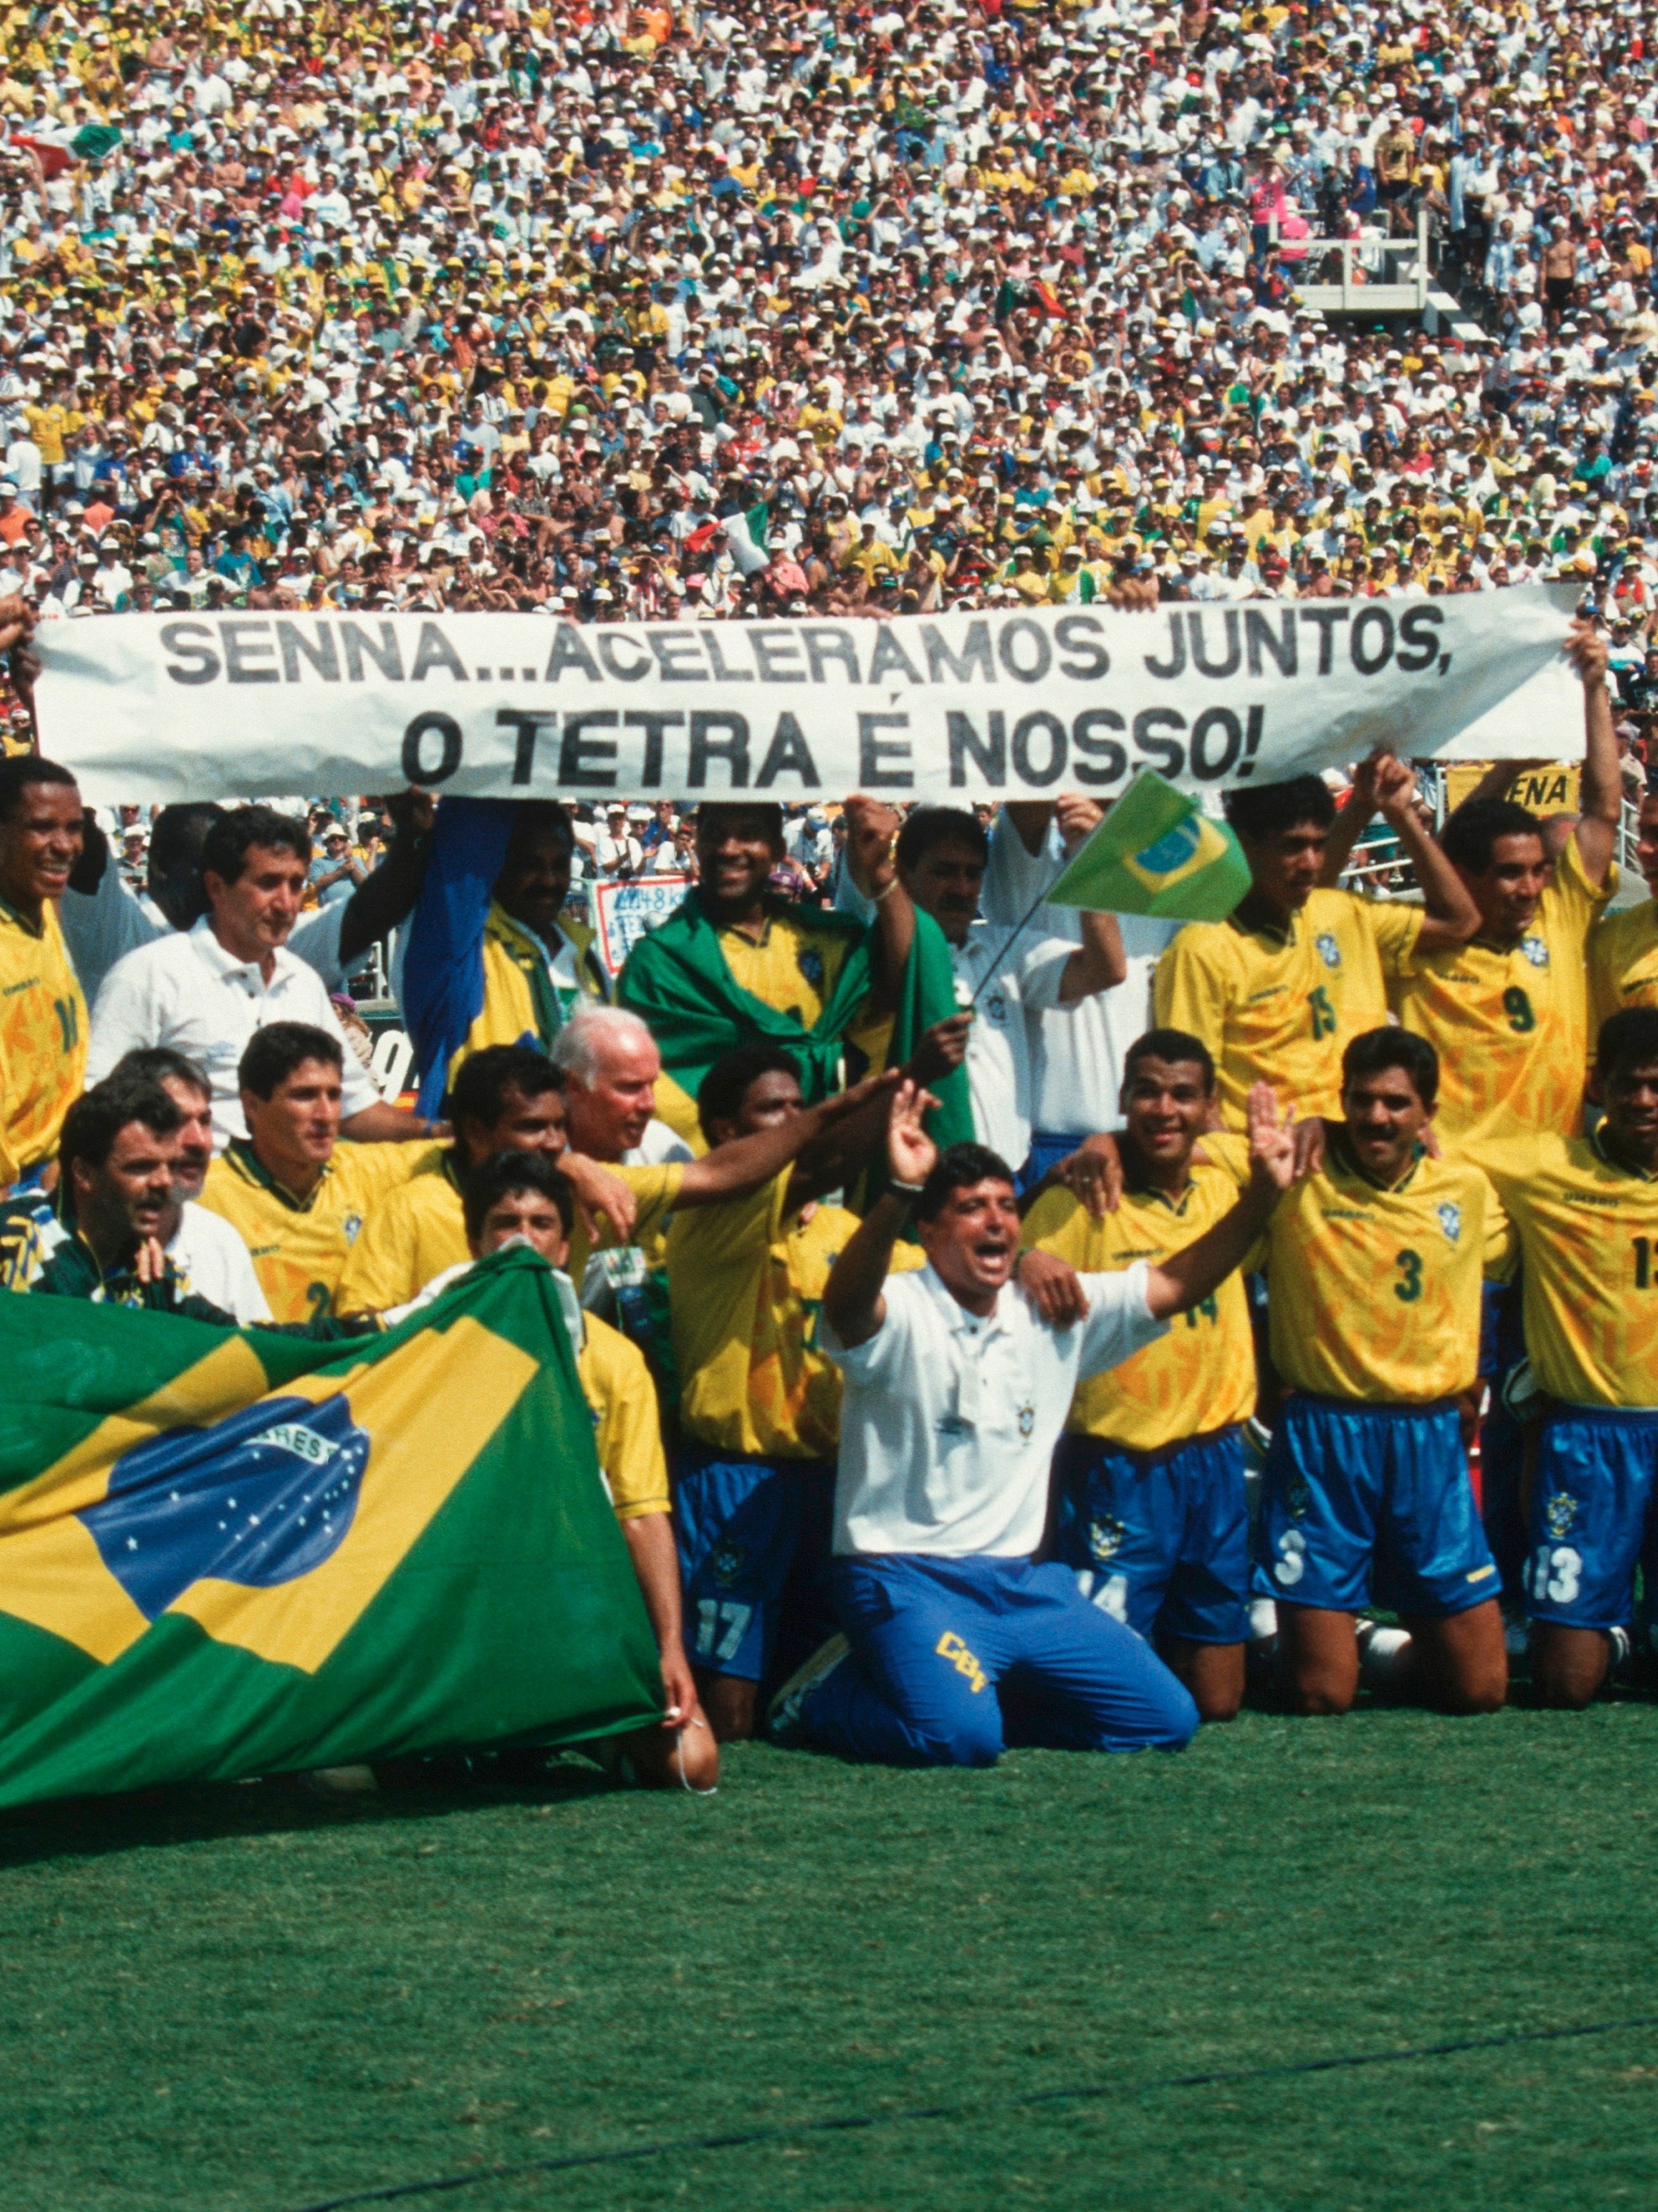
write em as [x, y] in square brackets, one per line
[1535, 950]
[1450, 1220]
[1328, 950]
[810, 961]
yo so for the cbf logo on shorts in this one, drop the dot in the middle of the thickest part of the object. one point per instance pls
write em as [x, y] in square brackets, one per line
[1105, 1537]
[1559, 1513]
[726, 1562]
[259, 1500]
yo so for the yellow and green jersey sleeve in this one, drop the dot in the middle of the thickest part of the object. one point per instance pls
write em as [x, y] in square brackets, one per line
[300, 1247]
[1201, 1376]
[1511, 1027]
[416, 1232]
[1282, 1008]
[1623, 965]
[1588, 1229]
[42, 1040]
[1374, 1294]
[626, 1429]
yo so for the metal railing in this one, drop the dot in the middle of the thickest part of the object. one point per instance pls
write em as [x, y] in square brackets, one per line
[1372, 273]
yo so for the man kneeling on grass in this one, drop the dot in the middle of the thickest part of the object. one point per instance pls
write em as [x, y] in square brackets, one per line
[957, 1641]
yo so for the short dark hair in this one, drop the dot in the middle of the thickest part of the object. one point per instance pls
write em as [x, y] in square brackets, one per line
[531, 814]
[720, 1094]
[487, 1078]
[17, 773]
[1471, 832]
[709, 814]
[929, 827]
[1267, 810]
[1628, 1038]
[178, 833]
[959, 1168]
[158, 1063]
[1376, 1050]
[502, 1174]
[98, 1115]
[227, 845]
[271, 1055]
[1169, 1044]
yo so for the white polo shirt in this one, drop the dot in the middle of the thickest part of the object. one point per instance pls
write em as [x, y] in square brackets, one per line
[948, 1422]
[102, 926]
[187, 991]
[998, 1044]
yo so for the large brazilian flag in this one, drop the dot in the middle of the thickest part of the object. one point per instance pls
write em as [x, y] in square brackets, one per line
[229, 1553]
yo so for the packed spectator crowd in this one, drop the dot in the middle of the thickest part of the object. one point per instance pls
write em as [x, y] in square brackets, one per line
[633, 313]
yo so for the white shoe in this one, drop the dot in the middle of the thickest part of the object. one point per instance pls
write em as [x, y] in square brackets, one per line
[341, 1781]
[783, 1713]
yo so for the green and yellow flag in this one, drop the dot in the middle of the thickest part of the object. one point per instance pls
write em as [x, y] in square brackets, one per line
[1155, 853]
[227, 1553]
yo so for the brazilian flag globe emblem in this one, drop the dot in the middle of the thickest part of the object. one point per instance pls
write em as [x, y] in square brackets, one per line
[226, 1553]
[1155, 853]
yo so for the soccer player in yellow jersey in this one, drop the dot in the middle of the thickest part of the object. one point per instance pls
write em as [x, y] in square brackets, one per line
[760, 1406]
[538, 966]
[1150, 1512]
[43, 1016]
[522, 1194]
[523, 1197]
[1623, 947]
[1277, 990]
[1585, 1210]
[1375, 1265]
[293, 1190]
[506, 1098]
[1508, 1012]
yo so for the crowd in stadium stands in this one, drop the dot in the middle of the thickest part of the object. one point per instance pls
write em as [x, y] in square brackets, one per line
[929, 1355]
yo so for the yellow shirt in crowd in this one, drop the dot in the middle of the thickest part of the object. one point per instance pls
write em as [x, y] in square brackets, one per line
[1511, 1028]
[417, 1231]
[1374, 1294]
[1622, 963]
[300, 1247]
[746, 1287]
[1201, 1376]
[42, 1040]
[654, 1191]
[1588, 1229]
[627, 1431]
[1281, 1007]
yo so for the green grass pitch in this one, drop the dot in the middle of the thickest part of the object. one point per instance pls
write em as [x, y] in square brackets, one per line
[245, 2000]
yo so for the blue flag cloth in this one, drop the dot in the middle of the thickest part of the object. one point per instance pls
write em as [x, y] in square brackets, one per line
[443, 961]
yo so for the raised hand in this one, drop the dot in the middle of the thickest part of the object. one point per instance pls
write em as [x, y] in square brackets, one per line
[1395, 786]
[942, 1048]
[911, 1153]
[871, 827]
[1272, 1142]
[1586, 649]
[1093, 1173]
[1078, 817]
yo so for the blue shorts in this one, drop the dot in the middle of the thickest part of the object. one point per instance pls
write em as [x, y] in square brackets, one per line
[1592, 1515]
[1160, 1542]
[1047, 1148]
[740, 1524]
[1352, 1488]
[953, 1658]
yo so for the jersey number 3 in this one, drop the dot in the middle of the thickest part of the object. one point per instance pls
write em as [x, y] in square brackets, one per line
[1408, 1288]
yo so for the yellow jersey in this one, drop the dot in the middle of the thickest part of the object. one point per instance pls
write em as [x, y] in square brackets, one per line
[745, 1292]
[1511, 1028]
[42, 1040]
[1201, 1376]
[1622, 963]
[1281, 1006]
[526, 1000]
[414, 1232]
[654, 1191]
[627, 1431]
[1373, 1294]
[794, 965]
[298, 1247]
[1587, 1228]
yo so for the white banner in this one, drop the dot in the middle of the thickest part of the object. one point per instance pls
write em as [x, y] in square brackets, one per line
[957, 707]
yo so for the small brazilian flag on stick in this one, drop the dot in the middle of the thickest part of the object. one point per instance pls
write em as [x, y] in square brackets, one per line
[227, 1553]
[1155, 853]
